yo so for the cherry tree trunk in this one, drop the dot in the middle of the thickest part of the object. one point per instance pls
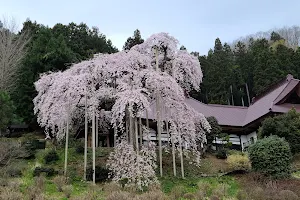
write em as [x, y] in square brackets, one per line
[115, 136]
[94, 149]
[158, 121]
[85, 138]
[131, 127]
[127, 128]
[147, 120]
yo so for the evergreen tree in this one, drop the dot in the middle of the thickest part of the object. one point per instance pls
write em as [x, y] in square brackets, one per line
[132, 41]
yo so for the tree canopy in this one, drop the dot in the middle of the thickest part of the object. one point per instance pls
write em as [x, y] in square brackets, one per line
[285, 126]
[54, 49]
[132, 41]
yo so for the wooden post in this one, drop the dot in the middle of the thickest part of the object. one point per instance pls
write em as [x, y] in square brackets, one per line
[168, 134]
[94, 149]
[181, 158]
[97, 132]
[85, 138]
[67, 141]
[136, 135]
[141, 131]
[115, 128]
[173, 154]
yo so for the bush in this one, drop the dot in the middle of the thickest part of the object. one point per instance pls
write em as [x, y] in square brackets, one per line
[221, 154]
[178, 192]
[119, 195]
[10, 194]
[101, 174]
[271, 156]
[51, 157]
[14, 172]
[238, 162]
[67, 189]
[60, 182]
[152, 195]
[48, 171]
[79, 149]
[286, 126]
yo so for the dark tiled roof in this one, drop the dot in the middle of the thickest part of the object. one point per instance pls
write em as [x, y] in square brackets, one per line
[241, 116]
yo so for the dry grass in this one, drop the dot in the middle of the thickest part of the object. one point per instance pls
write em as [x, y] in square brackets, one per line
[258, 187]
[60, 182]
[213, 165]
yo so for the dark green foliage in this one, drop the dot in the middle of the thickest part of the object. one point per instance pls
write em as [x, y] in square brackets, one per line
[54, 49]
[275, 36]
[271, 156]
[132, 41]
[6, 110]
[221, 154]
[79, 149]
[48, 171]
[215, 129]
[286, 126]
[101, 174]
[51, 157]
[259, 65]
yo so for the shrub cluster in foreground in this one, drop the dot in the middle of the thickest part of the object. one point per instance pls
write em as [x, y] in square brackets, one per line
[271, 156]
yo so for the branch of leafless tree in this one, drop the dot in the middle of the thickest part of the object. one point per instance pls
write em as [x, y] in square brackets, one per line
[12, 51]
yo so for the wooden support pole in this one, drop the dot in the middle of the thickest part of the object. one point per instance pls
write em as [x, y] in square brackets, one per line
[136, 135]
[67, 142]
[141, 131]
[94, 149]
[85, 138]
[97, 132]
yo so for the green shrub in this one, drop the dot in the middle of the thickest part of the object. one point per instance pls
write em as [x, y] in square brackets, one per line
[221, 154]
[79, 149]
[239, 162]
[48, 171]
[271, 156]
[286, 126]
[51, 157]
[101, 174]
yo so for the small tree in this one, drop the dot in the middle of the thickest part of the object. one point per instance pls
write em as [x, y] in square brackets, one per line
[214, 132]
[286, 126]
[271, 156]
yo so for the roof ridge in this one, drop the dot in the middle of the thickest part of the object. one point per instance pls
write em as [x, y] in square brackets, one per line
[218, 105]
[272, 87]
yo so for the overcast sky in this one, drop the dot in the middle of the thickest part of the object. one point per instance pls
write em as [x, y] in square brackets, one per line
[195, 23]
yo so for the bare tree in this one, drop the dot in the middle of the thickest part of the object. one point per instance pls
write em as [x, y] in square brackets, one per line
[291, 35]
[12, 50]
